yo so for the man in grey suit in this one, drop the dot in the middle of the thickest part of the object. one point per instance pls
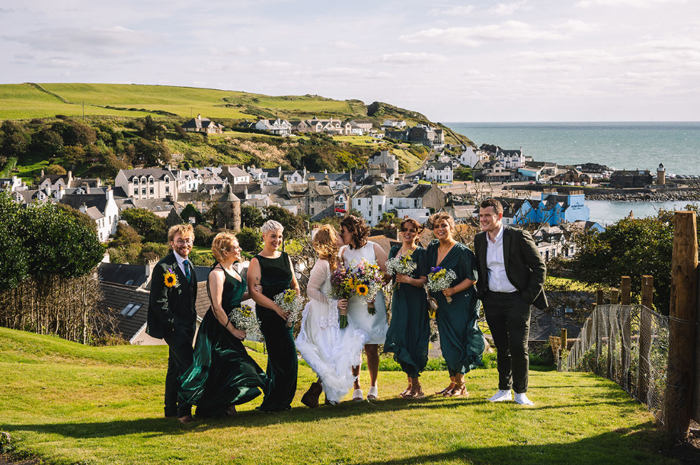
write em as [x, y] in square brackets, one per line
[172, 315]
[511, 278]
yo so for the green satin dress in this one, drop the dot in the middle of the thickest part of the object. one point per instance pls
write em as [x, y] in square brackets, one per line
[461, 339]
[222, 373]
[282, 362]
[408, 336]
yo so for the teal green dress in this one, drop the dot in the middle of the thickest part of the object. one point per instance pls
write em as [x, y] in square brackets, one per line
[461, 339]
[222, 372]
[282, 363]
[408, 336]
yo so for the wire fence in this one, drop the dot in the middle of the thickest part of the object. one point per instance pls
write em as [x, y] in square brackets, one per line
[627, 344]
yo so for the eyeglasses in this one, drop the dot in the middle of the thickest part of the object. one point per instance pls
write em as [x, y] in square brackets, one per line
[185, 242]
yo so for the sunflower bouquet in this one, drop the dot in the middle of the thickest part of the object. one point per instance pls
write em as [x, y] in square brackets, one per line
[367, 280]
[342, 287]
[440, 279]
[401, 264]
[244, 318]
[291, 303]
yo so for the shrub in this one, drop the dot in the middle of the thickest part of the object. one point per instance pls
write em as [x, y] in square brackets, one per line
[202, 236]
[250, 240]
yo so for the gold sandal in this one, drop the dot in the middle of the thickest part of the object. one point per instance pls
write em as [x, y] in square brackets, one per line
[460, 390]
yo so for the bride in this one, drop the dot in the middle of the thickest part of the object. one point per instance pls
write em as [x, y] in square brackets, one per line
[330, 351]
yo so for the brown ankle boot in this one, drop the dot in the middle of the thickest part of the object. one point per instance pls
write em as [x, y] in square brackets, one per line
[310, 397]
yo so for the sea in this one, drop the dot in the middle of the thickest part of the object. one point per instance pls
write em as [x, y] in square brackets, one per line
[618, 145]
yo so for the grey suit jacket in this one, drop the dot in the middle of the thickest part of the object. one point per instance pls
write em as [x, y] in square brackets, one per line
[525, 267]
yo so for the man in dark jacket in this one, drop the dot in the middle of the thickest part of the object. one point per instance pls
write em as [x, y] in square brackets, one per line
[511, 278]
[172, 315]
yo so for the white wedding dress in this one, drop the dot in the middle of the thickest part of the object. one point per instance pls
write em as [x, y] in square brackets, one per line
[375, 326]
[330, 351]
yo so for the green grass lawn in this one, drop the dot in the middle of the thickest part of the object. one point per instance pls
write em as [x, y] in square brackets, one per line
[69, 403]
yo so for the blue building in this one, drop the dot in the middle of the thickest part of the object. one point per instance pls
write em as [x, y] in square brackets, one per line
[552, 209]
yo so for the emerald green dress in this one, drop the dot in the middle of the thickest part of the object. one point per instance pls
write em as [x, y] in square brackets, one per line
[282, 363]
[408, 336]
[222, 372]
[461, 339]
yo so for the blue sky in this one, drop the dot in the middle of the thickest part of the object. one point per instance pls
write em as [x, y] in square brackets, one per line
[528, 60]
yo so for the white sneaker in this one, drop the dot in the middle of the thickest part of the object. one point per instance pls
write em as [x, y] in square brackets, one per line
[501, 396]
[522, 399]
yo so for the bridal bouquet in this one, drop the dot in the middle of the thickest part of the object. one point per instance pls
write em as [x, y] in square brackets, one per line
[291, 303]
[368, 280]
[401, 264]
[342, 287]
[244, 319]
[440, 279]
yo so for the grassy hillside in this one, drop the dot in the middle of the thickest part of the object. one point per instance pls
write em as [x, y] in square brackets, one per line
[69, 403]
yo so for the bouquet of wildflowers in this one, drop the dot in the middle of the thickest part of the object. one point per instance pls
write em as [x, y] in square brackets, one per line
[342, 287]
[401, 264]
[367, 280]
[291, 303]
[440, 279]
[244, 318]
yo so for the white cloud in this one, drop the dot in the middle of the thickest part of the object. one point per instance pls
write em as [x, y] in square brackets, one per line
[459, 10]
[507, 9]
[344, 45]
[410, 58]
[474, 36]
[626, 3]
[577, 27]
[355, 73]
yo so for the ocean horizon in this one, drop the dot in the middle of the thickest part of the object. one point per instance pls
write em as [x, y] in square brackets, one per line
[619, 145]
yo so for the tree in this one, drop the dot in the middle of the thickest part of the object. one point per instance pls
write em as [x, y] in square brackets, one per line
[47, 143]
[16, 270]
[464, 174]
[151, 129]
[250, 240]
[294, 225]
[251, 216]
[190, 211]
[14, 140]
[74, 133]
[202, 236]
[630, 247]
[73, 155]
[125, 235]
[150, 226]
[56, 170]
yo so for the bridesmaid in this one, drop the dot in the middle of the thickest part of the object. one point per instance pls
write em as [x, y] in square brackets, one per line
[354, 233]
[461, 340]
[222, 375]
[273, 270]
[409, 332]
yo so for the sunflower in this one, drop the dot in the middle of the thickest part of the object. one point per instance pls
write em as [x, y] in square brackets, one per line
[170, 279]
[362, 289]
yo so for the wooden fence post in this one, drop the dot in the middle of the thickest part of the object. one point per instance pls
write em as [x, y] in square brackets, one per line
[626, 333]
[598, 329]
[645, 338]
[681, 344]
[614, 299]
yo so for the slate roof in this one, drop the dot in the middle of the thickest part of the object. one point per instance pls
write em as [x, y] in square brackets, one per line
[157, 173]
[439, 166]
[394, 190]
[99, 201]
[118, 297]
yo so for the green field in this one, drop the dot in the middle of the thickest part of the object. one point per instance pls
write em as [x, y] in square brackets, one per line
[69, 404]
[24, 101]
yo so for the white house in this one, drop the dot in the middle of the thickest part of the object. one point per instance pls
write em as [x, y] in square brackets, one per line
[100, 207]
[147, 183]
[12, 184]
[280, 127]
[387, 158]
[187, 180]
[236, 175]
[438, 172]
[394, 123]
[469, 157]
[511, 159]
[403, 200]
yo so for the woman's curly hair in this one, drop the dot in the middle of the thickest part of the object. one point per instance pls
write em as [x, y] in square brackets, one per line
[325, 243]
[359, 230]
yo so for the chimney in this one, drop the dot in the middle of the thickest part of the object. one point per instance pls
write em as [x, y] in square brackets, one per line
[42, 173]
[70, 179]
[245, 192]
[109, 194]
[285, 183]
[312, 183]
[304, 172]
[199, 116]
[83, 208]
[149, 269]
[59, 196]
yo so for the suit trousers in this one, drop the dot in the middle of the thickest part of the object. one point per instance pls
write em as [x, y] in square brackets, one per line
[179, 360]
[508, 317]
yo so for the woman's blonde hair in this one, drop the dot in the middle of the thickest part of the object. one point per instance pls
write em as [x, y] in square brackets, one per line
[325, 243]
[440, 217]
[271, 225]
[223, 242]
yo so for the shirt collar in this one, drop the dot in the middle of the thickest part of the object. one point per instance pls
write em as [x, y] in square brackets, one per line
[499, 236]
[179, 258]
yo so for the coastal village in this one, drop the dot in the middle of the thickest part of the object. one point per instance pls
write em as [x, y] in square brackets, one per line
[548, 199]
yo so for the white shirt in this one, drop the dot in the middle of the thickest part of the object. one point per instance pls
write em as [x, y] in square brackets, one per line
[180, 262]
[495, 263]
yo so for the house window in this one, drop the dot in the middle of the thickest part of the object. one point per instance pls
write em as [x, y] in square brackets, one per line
[415, 202]
[143, 191]
[136, 191]
[391, 201]
[143, 180]
[150, 181]
[313, 211]
[167, 189]
[152, 191]
[379, 207]
[167, 180]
